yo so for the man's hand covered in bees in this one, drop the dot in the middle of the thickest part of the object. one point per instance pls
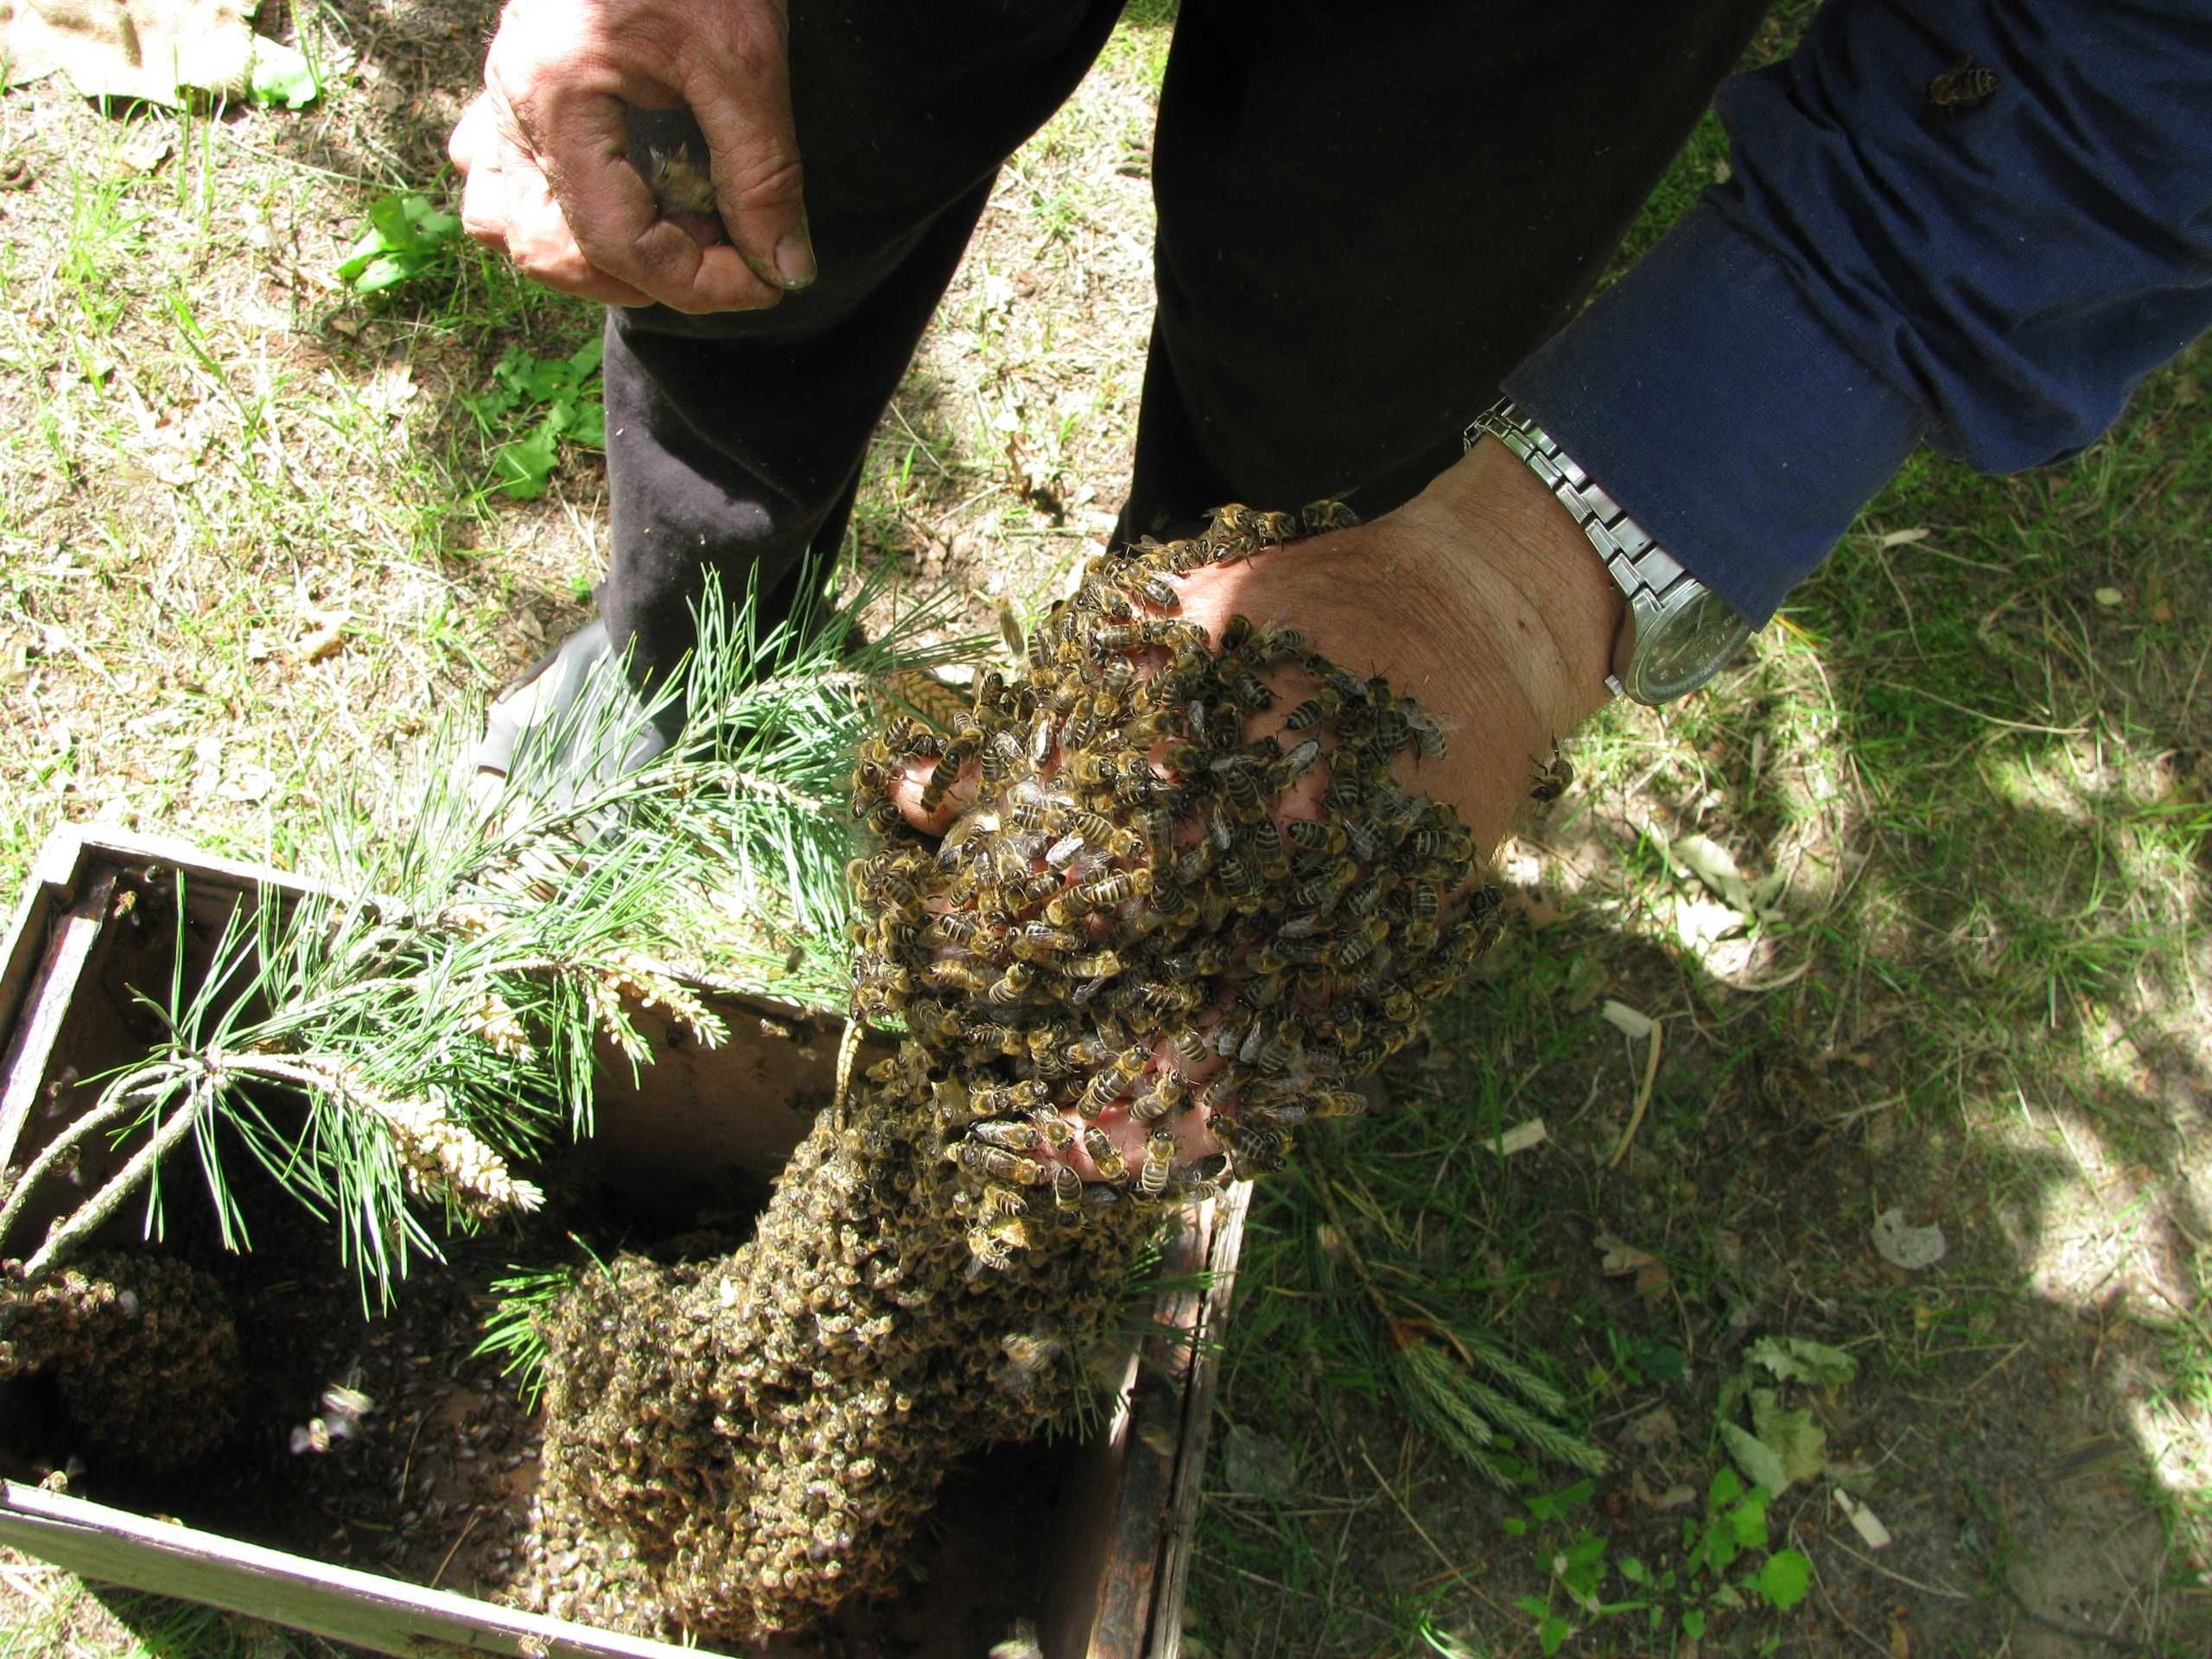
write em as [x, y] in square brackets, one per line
[544, 149]
[1479, 600]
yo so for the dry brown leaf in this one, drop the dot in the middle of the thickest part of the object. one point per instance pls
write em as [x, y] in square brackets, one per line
[1622, 1257]
[1903, 537]
[1867, 1524]
[325, 635]
[248, 781]
[391, 388]
[1520, 1138]
[1656, 1427]
[1900, 1643]
[1632, 1023]
[1677, 1497]
[146, 152]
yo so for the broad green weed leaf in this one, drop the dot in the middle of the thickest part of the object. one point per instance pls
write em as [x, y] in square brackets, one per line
[1799, 1359]
[1785, 1577]
[521, 468]
[281, 76]
[1747, 1520]
[1754, 1457]
[1796, 1439]
[406, 235]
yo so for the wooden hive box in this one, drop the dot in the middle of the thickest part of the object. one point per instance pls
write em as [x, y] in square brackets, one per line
[1110, 1564]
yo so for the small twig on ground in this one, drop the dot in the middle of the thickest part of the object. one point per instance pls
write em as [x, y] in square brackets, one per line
[474, 1516]
[1926, 1589]
[1642, 1096]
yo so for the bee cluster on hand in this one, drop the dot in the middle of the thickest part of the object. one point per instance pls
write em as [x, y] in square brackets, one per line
[1126, 928]
[1123, 941]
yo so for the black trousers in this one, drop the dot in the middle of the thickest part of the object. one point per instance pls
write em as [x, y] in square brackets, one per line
[1369, 211]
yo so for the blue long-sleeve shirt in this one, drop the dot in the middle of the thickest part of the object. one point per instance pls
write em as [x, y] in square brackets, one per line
[1878, 273]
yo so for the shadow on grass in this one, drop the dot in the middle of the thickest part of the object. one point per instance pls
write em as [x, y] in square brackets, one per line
[1976, 756]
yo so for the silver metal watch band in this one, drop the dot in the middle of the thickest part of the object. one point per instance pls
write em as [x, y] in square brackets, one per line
[1640, 567]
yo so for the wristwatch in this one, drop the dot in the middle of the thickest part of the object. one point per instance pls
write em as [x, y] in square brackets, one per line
[1678, 632]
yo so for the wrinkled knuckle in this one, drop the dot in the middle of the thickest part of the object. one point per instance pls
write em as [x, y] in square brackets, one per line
[776, 180]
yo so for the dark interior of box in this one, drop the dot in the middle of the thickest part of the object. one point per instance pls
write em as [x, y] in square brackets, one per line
[434, 1486]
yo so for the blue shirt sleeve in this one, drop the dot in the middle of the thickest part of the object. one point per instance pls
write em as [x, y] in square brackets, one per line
[1878, 272]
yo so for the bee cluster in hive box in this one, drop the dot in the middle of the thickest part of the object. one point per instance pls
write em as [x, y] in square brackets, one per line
[1127, 973]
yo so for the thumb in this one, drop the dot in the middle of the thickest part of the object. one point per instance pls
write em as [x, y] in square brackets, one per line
[744, 113]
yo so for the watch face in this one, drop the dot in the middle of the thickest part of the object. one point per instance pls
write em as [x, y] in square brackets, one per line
[1688, 647]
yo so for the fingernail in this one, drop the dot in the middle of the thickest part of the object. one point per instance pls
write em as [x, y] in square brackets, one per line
[795, 259]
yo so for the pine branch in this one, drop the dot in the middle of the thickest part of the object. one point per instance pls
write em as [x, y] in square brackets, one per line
[1464, 1413]
[438, 1018]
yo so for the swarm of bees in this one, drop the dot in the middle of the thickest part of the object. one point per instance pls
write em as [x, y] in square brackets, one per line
[1124, 940]
[142, 1348]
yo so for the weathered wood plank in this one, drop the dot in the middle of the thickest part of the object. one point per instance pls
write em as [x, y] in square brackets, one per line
[1126, 1519]
[1130, 1571]
[1196, 1425]
[114, 1545]
[48, 1001]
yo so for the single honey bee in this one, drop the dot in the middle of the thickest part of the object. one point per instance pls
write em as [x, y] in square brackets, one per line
[942, 778]
[1553, 778]
[1315, 709]
[1315, 834]
[680, 183]
[1002, 757]
[1052, 1129]
[994, 1163]
[955, 974]
[1190, 1046]
[1965, 85]
[1246, 689]
[1159, 1159]
[1042, 942]
[989, 1248]
[991, 1034]
[1106, 1086]
[1109, 1162]
[1351, 949]
[1294, 764]
[1012, 986]
[1009, 1137]
[1101, 893]
[1327, 514]
[1231, 522]
[1336, 1102]
[1320, 891]
[1067, 1188]
[1427, 730]
[1166, 1093]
